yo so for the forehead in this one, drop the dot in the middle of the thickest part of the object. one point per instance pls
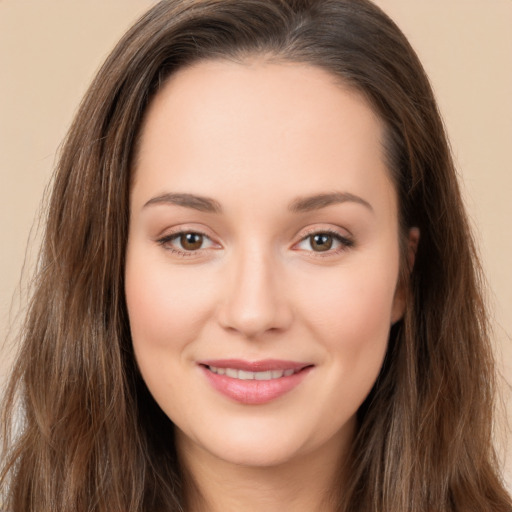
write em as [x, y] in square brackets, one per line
[262, 126]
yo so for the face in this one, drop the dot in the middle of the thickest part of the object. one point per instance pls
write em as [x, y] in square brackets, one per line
[262, 260]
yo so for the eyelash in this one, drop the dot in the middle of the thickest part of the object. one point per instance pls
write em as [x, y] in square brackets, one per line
[345, 243]
[165, 243]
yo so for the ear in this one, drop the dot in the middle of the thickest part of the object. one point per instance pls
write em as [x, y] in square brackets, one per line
[399, 299]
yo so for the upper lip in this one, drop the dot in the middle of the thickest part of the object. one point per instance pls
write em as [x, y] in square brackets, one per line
[255, 366]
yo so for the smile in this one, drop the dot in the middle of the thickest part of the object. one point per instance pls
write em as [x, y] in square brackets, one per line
[233, 373]
[254, 383]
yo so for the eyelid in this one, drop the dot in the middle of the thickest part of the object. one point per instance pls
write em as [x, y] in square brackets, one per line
[166, 239]
[313, 230]
[345, 241]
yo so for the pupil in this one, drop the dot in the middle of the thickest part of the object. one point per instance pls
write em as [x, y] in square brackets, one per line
[191, 241]
[322, 242]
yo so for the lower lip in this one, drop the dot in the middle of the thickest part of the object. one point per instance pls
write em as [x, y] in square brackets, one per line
[254, 392]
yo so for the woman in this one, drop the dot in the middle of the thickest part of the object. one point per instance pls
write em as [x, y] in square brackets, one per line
[257, 287]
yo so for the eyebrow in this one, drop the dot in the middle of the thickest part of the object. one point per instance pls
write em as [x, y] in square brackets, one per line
[318, 201]
[299, 205]
[201, 203]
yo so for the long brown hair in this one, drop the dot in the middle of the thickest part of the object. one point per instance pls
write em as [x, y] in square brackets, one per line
[91, 438]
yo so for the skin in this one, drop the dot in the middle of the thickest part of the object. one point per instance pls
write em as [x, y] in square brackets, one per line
[256, 137]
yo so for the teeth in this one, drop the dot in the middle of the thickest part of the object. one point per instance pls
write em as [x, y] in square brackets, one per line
[244, 375]
[231, 373]
[263, 375]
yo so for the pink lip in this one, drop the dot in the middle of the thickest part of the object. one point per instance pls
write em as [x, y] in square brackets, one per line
[255, 392]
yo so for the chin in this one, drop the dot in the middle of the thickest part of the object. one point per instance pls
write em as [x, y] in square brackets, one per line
[244, 445]
[257, 455]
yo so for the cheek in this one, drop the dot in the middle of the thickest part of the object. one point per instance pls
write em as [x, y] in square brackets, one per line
[166, 309]
[351, 316]
[158, 300]
[352, 321]
[352, 300]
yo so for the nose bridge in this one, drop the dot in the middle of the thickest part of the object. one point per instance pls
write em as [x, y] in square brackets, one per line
[254, 301]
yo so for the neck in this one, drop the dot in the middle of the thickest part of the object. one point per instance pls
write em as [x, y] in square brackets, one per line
[309, 483]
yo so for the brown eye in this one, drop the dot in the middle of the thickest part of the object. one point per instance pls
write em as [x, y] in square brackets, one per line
[325, 241]
[187, 243]
[191, 241]
[321, 242]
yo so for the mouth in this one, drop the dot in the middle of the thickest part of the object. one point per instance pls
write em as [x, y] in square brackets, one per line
[257, 382]
[233, 373]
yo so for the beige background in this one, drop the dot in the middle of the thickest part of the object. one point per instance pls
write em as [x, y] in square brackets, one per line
[50, 49]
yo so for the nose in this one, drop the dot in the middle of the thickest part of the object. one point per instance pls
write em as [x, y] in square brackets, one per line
[254, 300]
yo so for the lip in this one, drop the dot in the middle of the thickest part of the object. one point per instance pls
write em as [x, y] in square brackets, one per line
[255, 392]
